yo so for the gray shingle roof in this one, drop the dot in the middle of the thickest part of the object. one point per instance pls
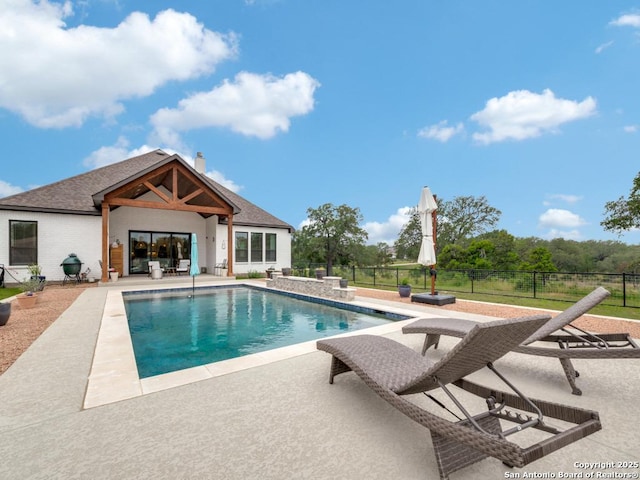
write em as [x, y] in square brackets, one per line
[74, 195]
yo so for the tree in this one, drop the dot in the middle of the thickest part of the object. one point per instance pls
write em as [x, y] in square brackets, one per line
[503, 256]
[373, 255]
[453, 257]
[539, 260]
[624, 213]
[457, 221]
[332, 233]
[302, 249]
[463, 218]
[408, 243]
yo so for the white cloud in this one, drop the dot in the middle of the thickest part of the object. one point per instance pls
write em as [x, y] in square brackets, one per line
[631, 128]
[603, 47]
[556, 218]
[567, 198]
[114, 153]
[56, 77]
[388, 230]
[523, 114]
[441, 131]
[7, 189]
[562, 223]
[251, 104]
[628, 20]
[222, 180]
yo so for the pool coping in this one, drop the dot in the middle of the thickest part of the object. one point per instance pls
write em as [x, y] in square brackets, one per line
[114, 375]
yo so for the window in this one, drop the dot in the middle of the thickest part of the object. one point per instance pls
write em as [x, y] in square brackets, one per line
[23, 242]
[168, 248]
[271, 247]
[242, 247]
[256, 247]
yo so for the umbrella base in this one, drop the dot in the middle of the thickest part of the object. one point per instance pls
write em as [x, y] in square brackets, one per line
[436, 299]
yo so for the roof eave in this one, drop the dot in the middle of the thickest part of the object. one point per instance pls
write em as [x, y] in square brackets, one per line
[26, 208]
[290, 228]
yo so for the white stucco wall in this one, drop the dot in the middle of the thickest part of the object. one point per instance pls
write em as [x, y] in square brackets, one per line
[58, 236]
[283, 249]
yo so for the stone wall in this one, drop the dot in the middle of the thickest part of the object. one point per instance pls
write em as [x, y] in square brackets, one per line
[328, 287]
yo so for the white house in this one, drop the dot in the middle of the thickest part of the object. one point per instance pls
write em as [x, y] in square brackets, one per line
[141, 209]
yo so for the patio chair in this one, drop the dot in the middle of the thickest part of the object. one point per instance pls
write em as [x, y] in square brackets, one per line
[183, 266]
[154, 265]
[393, 370]
[572, 341]
[220, 266]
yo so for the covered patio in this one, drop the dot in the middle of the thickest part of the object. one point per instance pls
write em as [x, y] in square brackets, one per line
[169, 187]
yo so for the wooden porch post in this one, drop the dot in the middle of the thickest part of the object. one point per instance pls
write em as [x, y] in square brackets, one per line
[105, 242]
[230, 245]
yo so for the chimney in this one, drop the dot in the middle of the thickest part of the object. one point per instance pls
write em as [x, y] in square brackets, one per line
[200, 163]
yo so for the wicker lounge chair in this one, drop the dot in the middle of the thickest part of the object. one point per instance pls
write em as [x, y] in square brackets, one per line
[394, 370]
[572, 341]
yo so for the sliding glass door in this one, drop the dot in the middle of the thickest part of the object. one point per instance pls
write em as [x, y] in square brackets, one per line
[166, 247]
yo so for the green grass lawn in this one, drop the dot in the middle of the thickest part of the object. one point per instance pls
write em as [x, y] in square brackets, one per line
[605, 310]
[8, 292]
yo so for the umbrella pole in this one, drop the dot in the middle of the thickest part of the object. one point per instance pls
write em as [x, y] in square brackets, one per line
[433, 280]
[193, 287]
[434, 232]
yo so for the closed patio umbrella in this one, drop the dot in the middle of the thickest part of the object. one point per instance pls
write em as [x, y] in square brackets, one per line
[194, 269]
[426, 209]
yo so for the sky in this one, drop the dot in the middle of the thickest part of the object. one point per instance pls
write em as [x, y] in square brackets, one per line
[294, 104]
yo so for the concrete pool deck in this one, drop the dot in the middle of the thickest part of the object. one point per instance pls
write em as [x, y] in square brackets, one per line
[277, 419]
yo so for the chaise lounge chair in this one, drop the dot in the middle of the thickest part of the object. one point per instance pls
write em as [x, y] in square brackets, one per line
[394, 370]
[572, 341]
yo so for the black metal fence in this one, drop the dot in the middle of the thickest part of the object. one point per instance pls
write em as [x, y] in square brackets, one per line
[624, 287]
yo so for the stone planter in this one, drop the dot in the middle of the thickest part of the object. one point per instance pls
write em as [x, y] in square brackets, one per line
[5, 313]
[114, 276]
[344, 283]
[27, 301]
[404, 290]
[320, 273]
[286, 272]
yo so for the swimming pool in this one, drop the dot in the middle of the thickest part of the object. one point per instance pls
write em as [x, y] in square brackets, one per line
[174, 330]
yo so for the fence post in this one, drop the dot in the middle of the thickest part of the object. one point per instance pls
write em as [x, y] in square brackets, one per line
[353, 273]
[473, 274]
[624, 289]
[535, 283]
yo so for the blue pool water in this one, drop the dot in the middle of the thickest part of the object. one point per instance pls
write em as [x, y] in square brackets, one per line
[173, 330]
